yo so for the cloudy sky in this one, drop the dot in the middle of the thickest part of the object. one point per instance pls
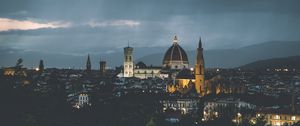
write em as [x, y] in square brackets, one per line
[97, 26]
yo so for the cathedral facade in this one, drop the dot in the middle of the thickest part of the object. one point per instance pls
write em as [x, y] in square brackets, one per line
[175, 68]
[185, 78]
[139, 70]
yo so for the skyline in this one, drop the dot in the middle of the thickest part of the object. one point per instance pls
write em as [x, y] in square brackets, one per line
[150, 62]
[100, 27]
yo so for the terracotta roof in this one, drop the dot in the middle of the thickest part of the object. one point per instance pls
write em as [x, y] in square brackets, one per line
[175, 53]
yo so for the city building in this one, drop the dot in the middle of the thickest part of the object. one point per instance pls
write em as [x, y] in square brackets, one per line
[221, 107]
[185, 106]
[83, 100]
[16, 70]
[102, 68]
[184, 78]
[142, 71]
[278, 117]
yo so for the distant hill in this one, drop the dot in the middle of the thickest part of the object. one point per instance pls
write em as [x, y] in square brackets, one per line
[230, 58]
[9, 57]
[225, 58]
[292, 62]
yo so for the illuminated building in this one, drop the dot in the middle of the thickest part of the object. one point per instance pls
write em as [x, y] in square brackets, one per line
[17, 70]
[142, 71]
[279, 118]
[175, 57]
[216, 108]
[185, 106]
[128, 62]
[83, 100]
[199, 71]
[182, 80]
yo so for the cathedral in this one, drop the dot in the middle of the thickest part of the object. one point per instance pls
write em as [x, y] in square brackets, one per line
[176, 59]
[176, 68]
[185, 79]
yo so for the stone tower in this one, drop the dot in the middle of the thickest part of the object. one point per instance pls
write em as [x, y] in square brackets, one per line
[102, 67]
[41, 66]
[199, 71]
[128, 61]
[88, 64]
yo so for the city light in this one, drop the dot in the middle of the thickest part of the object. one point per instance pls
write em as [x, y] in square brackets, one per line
[129, 63]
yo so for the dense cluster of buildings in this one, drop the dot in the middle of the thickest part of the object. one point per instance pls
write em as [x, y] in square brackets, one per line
[176, 68]
[181, 85]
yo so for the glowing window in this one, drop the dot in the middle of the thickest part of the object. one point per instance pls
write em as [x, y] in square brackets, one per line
[277, 117]
[293, 117]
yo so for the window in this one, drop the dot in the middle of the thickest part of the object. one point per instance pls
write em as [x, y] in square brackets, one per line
[294, 118]
[277, 117]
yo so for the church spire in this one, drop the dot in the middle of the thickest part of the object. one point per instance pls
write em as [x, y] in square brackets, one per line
[88, 63]
[200, 43]
[175, 40]
[199, 71]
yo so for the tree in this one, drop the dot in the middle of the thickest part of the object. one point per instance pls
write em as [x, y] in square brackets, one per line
[296, 124]
[151, 123]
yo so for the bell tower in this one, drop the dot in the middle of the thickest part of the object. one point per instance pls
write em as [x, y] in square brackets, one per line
[128, 62]
[199, 71]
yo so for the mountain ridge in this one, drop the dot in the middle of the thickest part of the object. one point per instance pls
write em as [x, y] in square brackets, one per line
[222, 58]
[292, 62]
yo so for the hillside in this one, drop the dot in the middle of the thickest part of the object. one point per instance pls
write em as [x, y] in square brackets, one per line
[292, 62]
[229, 58]
[226, 58]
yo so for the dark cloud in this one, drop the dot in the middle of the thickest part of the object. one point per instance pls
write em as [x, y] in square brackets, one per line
[222, 24]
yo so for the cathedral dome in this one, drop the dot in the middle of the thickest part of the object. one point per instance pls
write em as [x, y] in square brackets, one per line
[175, 57]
